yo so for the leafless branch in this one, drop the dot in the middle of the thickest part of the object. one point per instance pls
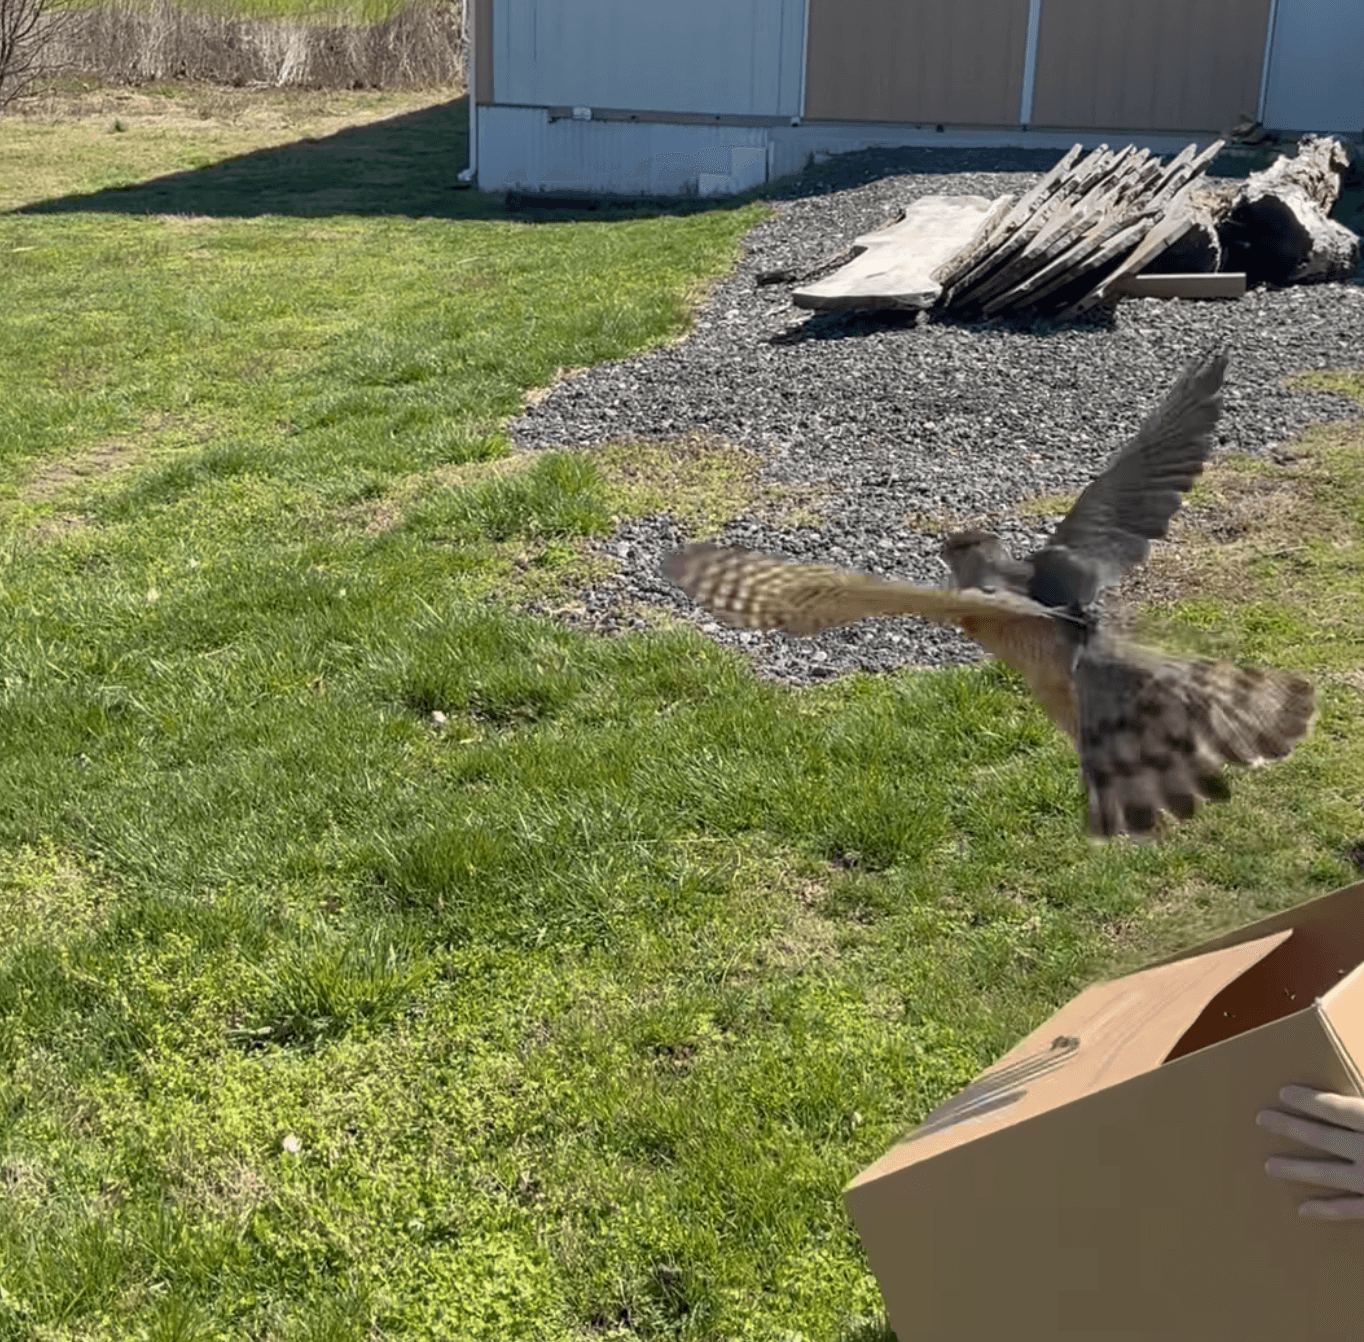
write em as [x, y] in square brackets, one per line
[27, 30]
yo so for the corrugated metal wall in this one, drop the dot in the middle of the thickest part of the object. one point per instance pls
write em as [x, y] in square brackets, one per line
[916, 60]
[736, 57]
[1115, 66]
[1154, 65]
[1316, 71]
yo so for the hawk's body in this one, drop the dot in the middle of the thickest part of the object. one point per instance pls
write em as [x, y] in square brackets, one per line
[1152, 732]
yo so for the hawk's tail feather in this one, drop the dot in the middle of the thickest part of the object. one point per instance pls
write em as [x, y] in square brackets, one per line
[1156, 732]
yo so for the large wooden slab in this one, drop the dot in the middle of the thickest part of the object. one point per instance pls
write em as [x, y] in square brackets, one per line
[893, 267]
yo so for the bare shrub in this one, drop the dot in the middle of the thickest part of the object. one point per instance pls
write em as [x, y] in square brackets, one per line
[120, 41]
[29, 29]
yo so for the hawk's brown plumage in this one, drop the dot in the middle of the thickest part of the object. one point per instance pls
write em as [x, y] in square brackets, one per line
[1152, 731]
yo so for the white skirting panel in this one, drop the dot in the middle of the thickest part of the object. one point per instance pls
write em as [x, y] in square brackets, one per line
[521, 149]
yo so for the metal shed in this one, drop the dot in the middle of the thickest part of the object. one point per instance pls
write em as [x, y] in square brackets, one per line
[714, 97]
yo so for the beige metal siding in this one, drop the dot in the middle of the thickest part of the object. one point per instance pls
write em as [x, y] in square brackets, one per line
[483, 50]
[957, 61]
[1149, 64]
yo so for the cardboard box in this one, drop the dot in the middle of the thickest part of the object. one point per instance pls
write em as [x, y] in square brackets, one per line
[1105, 1180]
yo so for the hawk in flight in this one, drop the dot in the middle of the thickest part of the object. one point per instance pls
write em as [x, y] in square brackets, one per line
[1152, 731]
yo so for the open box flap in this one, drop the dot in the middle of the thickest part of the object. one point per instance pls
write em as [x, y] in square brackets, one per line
[1342, 1012]
[1326, 945]
[1338, 917]
[1108, 1034]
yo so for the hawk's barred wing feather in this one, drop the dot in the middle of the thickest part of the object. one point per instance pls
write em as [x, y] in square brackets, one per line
[755, 591]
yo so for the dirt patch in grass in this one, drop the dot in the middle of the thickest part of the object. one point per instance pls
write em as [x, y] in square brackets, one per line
[703, 480]
[58, 527]
[228, 1189]
[26, 1183]
[802, 940]
[84, 474]
[48, 892]
[786, 896]
[57, 478]
[373, 517]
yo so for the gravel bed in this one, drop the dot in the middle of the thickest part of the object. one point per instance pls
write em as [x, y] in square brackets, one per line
[901, 417]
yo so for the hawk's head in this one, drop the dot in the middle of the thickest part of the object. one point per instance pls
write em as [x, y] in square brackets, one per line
[976, 558]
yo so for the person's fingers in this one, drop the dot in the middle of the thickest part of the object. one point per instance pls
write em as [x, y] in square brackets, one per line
[1322, 1173]
[1346, 1111]
[1333, 1209]
[1342, 1142]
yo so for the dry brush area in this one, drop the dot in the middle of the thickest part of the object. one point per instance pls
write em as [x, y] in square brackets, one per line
[415, 44]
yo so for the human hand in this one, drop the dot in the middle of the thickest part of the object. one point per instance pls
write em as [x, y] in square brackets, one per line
[1336, 1127]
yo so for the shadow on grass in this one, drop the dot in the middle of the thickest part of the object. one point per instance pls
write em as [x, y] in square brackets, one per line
[407, 165]
[876, 1329]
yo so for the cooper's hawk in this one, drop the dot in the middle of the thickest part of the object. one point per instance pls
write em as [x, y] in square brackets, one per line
[1152, 731]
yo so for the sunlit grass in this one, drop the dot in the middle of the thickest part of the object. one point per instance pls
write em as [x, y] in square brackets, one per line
[380, 961]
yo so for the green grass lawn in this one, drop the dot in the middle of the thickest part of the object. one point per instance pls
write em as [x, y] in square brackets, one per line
[566, 1013]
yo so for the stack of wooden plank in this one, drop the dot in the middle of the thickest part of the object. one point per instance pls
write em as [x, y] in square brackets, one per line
[1090, 224]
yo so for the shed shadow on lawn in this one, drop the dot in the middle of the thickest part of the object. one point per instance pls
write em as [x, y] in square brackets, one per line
[409, 166]
[406, 165]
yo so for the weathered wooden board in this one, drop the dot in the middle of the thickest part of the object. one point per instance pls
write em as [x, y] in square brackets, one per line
[1227, 284]
[893, 267]
[1081, 236]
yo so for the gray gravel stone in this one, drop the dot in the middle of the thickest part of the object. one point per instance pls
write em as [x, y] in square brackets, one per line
[898, 414]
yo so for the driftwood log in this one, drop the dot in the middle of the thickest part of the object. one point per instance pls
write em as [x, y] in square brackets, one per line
[1279, 229]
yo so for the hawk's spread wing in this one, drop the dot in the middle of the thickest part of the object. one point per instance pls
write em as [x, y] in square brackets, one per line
[756, 591]
[1113, 522]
